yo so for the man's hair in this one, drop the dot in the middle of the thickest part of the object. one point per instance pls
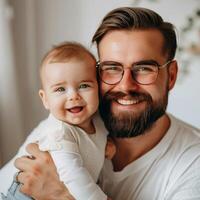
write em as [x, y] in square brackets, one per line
[66, 51]
[130, 18]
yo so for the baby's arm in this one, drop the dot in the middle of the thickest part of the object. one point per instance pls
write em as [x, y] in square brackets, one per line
[69, 164]
[46, 184]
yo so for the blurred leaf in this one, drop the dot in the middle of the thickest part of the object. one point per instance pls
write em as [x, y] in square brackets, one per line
[198, 13]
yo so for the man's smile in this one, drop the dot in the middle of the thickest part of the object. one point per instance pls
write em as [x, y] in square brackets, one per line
[127, 102]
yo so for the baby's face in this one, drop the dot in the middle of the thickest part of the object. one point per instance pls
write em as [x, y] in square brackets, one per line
[71, 90]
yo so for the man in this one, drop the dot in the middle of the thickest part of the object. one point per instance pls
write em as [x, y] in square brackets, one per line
[158, 156]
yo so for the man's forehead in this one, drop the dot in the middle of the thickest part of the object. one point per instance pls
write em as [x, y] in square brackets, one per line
[139, 43]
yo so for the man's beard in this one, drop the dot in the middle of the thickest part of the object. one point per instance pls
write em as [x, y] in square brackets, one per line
[128, 124]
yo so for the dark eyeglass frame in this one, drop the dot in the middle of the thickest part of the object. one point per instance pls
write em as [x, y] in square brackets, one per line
[157, 67]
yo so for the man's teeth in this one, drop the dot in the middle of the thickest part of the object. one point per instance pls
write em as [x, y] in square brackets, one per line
[127, 102]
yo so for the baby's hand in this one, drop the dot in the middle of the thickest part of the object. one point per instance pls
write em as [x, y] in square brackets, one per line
[110, 149]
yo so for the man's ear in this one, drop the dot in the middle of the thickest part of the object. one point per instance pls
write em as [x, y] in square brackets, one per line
[43, 98]
[172, 70]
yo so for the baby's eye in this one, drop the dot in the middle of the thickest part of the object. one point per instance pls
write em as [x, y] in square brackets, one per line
[60, 89]
[84, 85]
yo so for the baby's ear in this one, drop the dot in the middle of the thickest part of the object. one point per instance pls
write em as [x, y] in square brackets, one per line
[44, 98]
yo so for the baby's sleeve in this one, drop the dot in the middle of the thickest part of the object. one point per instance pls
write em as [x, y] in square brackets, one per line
[64, 150]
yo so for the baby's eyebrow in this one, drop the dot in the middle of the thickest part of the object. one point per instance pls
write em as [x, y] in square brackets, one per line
[86, 81]
[58, 84]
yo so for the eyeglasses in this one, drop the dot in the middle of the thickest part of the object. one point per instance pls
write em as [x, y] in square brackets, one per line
[144, 73]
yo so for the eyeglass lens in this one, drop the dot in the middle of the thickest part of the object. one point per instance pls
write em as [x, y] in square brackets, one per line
[142, 74]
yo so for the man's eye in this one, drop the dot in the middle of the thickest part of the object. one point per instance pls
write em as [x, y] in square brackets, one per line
[145, 69]
[83, 86]
[60, 89]
[112, 69]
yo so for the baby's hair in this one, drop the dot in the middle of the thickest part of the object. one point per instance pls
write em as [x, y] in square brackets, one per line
[64, 52]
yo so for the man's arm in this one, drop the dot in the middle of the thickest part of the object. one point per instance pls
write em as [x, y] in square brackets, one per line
[39, 177]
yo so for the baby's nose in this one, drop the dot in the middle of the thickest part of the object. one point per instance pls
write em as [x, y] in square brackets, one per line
[72, 95]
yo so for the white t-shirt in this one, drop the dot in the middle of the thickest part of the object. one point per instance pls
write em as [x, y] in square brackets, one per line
[170, 171]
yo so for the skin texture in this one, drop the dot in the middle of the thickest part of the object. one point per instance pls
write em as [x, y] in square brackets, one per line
[70, 91]
[126, 47]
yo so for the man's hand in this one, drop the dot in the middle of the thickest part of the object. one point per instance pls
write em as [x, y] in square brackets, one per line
[39, 177]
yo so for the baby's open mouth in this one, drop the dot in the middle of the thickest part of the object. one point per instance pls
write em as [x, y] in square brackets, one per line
[76, 109]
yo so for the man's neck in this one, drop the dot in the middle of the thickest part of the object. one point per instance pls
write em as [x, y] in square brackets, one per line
[130, 149]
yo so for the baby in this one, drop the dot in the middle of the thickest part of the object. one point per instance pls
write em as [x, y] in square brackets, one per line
[73, 134]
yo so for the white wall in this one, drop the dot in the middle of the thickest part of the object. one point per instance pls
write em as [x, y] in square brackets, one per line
[39, 24]
[70, 20]
[10, 111]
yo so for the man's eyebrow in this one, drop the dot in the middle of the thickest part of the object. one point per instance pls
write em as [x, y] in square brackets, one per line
[110, 62]
[141, 62]
[145, 62]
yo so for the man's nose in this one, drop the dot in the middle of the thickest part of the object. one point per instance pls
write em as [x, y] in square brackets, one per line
[127, 82]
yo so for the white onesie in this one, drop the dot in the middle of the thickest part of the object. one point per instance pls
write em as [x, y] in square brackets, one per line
[78, 156]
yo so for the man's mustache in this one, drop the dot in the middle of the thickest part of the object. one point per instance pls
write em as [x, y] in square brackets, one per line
[139, 96]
